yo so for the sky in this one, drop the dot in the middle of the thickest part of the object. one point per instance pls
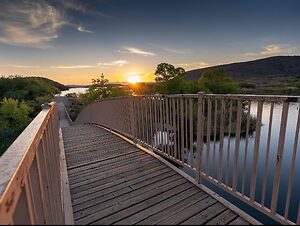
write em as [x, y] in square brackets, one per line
[75, 41]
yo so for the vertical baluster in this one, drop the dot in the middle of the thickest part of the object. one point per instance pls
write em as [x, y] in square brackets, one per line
[228, 145]
[191, 133]
[147, 124]
[215, 137]
[171, 126]
[221, 139]
[237, 145]
[151, 120]
[161, 125]
[200, 123]
[208, 129]
[182, 128]
[292, 169]
[256, 149]
[246, 147]
[178, 129]
[276, 182]
[167, 126]
[43, 182]
[175, 128]
[267, 155]
[186, 131]
[156, 122]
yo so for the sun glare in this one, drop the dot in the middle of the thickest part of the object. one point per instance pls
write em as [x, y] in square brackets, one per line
[133, 79]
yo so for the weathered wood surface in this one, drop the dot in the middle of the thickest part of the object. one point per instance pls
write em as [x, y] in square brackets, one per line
[114, 182]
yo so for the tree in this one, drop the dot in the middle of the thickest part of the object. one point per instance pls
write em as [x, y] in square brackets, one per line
[169, 80]
[100, 89]
[166, 72]
[216, 81]
[14, 117]
[14, 113]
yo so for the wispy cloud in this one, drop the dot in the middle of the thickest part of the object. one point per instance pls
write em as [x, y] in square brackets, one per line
[73, 66]
[119, 63]
[139, 51]
[273, 49]
[103, 65]
[82, 29]
[22, 66]
[29, 23]
[36, 23]
[193, 65]
[171, 49]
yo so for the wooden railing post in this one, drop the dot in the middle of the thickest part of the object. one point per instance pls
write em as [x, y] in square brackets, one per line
[200, 123]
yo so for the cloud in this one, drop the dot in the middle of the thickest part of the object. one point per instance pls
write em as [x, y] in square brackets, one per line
[115, 63]
[193, 65]
[139, 51]
[29, 23]
[273, 49]
[73, 66]
[23, 66]
[82, 29]
[36, 23]
[119, 63]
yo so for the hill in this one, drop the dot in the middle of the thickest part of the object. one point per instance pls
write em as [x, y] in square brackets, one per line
[271, 67]
[28, 88]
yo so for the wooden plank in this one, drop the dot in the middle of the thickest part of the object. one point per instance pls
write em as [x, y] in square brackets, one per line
[112, 182]
[82, 169]
[173, 201]
[239, 221]
[224, 218]
[117, 216]
[206, 215]
[102, 170]
[121, 196]
[188, 212]
[128, 203]
[134, 184]
[164, 214]
[111, 173]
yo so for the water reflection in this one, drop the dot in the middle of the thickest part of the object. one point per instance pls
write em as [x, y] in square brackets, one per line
[286, 161]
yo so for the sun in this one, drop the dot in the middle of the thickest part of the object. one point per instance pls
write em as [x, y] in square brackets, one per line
[134, 79]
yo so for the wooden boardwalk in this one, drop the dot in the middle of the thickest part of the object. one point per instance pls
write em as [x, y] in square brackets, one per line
[114, 182]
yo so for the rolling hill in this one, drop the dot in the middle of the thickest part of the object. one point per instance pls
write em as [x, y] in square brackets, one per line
[272, 67]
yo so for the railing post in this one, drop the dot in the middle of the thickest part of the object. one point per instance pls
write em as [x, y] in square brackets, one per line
[200, 120]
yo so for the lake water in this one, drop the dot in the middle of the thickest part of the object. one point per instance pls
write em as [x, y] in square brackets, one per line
[73, 90]
[286, 161]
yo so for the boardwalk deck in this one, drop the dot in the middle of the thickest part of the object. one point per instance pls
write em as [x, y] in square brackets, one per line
[114, 182]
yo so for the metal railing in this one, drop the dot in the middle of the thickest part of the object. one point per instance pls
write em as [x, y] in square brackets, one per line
[30, 185]
[219, 138]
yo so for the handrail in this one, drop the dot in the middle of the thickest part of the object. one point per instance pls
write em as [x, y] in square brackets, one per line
[171, 125]
[30, 189]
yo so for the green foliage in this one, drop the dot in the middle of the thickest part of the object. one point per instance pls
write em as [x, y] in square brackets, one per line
[14, 117]
[20, 101]
[169, 80]
[247, 85]
[216, 81]
[166, 72]
[101, 89]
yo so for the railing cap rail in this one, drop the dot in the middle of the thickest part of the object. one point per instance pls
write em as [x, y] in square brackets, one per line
[10, 161]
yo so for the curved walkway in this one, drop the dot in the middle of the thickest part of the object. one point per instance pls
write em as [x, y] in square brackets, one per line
[115, 182]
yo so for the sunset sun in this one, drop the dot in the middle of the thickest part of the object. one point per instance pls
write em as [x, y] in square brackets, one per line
[134, 79]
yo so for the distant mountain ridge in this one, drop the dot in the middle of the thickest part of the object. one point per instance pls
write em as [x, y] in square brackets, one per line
[276, 66]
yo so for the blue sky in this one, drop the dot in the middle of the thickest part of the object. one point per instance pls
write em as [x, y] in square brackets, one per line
[75, 41]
